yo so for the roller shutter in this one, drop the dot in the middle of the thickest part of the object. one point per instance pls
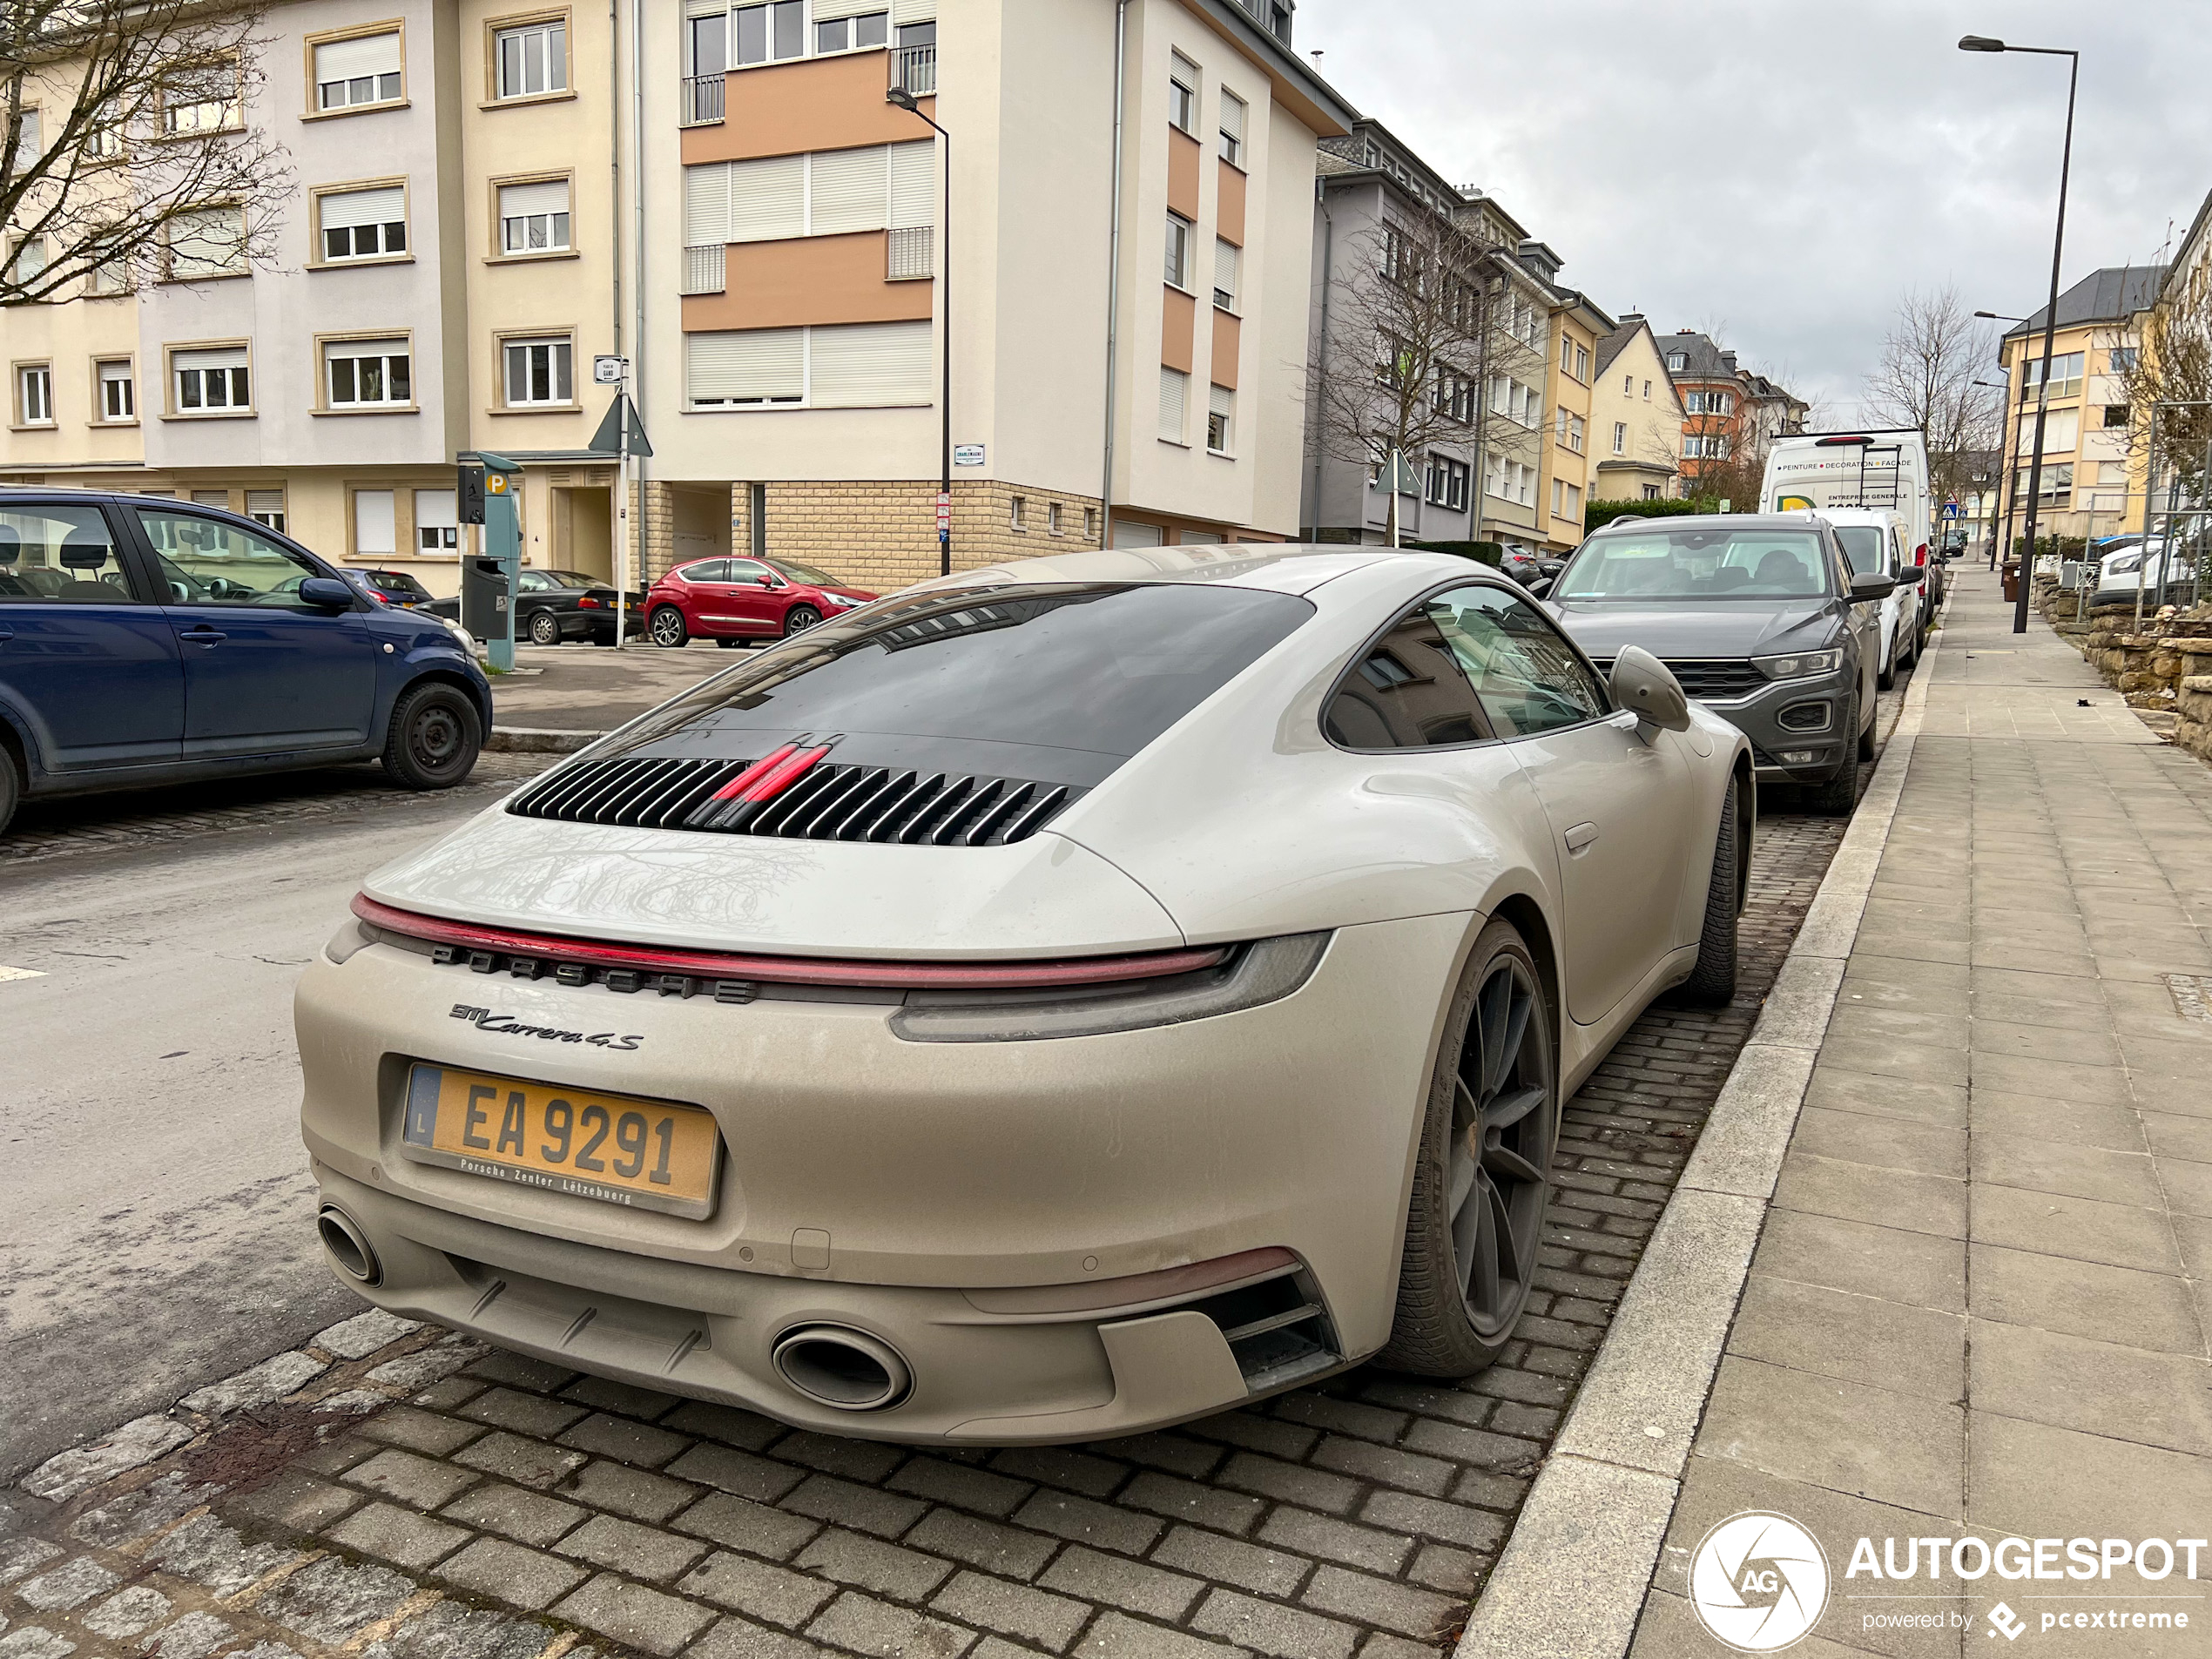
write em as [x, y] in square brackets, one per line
[914, 184]
[868, 365]
[384, 206]
[767, 199]
[346, 60]
[706, 204]
[847, 190]
[748, 365]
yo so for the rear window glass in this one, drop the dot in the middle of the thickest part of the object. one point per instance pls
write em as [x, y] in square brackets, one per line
[1056, 684]
[1863, 544]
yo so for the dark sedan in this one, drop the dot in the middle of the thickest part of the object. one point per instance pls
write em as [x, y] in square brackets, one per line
[1761, 620]
[552, 607]
[147, 642]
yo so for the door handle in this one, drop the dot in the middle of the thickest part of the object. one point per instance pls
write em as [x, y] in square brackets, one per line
[1580, 838]
[202, 635]
[6, 634]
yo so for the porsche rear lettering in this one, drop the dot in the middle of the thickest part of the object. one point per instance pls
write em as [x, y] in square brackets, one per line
[627, 980]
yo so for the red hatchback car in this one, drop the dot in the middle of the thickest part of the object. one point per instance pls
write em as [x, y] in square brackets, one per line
[731, 601]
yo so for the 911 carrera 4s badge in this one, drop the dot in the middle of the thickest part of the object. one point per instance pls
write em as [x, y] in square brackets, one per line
[505, 1025]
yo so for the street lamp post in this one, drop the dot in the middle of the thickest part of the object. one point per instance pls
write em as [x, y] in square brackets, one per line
[905, 100]
[2008, 494]
[1984, 43]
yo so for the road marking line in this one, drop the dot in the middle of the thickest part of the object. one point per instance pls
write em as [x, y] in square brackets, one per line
[7, 973]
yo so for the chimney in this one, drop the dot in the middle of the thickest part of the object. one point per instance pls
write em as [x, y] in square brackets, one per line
[1727, 361]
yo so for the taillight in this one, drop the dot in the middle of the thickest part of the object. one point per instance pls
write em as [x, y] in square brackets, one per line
[588, 604]
[1920, 554]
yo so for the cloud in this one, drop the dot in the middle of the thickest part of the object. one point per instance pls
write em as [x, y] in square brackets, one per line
[1795, 168]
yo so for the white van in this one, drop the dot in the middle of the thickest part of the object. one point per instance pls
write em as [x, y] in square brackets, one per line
[1868, 468]
[1874, 540]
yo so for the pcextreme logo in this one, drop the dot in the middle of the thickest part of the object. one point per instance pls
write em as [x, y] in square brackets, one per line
[1758, 1582]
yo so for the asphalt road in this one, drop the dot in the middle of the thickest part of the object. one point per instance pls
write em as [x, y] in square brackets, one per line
[156, 1226]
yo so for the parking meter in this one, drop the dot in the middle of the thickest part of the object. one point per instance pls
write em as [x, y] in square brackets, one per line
[502, 544]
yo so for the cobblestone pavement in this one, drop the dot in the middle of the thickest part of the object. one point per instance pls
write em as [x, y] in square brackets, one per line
[45, 830]
[402, 1494]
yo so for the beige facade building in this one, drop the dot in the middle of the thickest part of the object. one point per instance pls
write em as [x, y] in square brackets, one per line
[1573, 329]
[1636, 418]
[491, 195]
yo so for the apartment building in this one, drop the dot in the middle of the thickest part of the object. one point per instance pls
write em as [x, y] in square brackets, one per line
[1729, 413]
[1572, 330]
[1636, 417]
[490, 195]
[2090, 486]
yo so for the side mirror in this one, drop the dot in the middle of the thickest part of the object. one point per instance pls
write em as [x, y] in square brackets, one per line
[326, 593]
[1645, 685]
[1538, 586]
[1867, 588]
[1914, 576]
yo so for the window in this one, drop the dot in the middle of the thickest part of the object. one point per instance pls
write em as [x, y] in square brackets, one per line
[2120, 359]
[850, 34]
[1225, 261]
[531, 59]
[1619, 438]
[35, 395]
[1627, 386]
[1452, 395]
[1573, 501]
[1577, 433]
[537, 372]
[2115, 415]
[59, 555]
[266, 507]
[437, 522]
[1221, 420]
[104, 138]
[364, 374]
[1018, 513]
[210, 381]
[868, 365]
[1582, 363]
[1175, 394]
[376, 526]
[1052, 517]
[771, 33]
[1232, 128]
[1447, 482]
[30, 262]
[205, 242]
[1565, 355]
[1646, 395]
[534, 218]
[1678, 362]
[1468, 666]
[209, 560]
[1709, 447]
[362, 224]
[28, 146]
[1178, 252]
[1709, 402]
[362, 69]
[1183, 93]
[1090, 524]
[118, 391]
[1559, 498]
[2066, 376]
[1651, 492]
[2057, 482]
[200, 97]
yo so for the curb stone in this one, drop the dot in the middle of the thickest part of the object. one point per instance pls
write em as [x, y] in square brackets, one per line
[1572, 1580]
[537, 740]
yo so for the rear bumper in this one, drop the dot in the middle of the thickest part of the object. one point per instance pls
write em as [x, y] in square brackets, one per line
[955, 1201]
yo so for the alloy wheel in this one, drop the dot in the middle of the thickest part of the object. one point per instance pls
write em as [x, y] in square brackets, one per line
[668, 626]
[1502, 1141]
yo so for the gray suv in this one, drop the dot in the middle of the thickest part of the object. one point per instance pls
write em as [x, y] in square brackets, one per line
[1758, 615]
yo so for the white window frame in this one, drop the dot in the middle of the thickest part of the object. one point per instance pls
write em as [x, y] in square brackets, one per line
[730, 47]
[380, 95]
[1677, 362]
[128, 380]
[1221, 423]
[849, 21]
[1175, 269]
[35, 394]
[1232, 142]
[1184, 82]
[541, 30]
[558, 347]
[1017, 513]
[1619, 438]
[560, 224]
[352, 351]
[386, 248]
[446, 536]
[237, 381]
[213, 273]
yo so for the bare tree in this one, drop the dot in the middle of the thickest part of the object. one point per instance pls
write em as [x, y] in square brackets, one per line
[1925, 379]
[124, 155]
[2172, 367]
[1414, 330]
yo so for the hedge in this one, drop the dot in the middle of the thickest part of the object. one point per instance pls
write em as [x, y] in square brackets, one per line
[1488, 553]
[1598, 513]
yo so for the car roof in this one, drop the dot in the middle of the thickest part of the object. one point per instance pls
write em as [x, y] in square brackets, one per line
[1280, 567]
[1712, 520]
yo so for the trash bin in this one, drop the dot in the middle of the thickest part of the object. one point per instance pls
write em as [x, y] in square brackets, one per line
[484, 598]
[2012, 581]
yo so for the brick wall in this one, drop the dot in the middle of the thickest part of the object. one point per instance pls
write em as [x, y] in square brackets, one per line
[883, 536]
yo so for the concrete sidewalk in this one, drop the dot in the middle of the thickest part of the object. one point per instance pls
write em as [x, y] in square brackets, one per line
[1981, 1295]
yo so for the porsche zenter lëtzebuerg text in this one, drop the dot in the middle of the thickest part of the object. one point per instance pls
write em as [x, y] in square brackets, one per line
[1056, 1001]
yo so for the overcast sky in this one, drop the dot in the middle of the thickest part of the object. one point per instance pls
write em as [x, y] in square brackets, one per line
[1788, 169]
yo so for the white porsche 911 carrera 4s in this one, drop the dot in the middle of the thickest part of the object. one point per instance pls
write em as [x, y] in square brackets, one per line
[1056, 1001]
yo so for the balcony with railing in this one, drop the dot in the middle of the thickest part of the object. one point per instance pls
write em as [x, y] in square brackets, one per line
[703, 96]
[912, 254]
[705, 267]
[914, 70]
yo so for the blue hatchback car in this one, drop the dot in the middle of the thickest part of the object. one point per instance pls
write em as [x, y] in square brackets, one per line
[145, 641]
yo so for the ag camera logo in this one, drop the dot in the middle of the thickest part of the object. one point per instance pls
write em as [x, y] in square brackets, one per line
[1758, 1582]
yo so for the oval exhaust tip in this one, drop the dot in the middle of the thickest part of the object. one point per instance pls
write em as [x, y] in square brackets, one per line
[348, 1246]
[849, 1370]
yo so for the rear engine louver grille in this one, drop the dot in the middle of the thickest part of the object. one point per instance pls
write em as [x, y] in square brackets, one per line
[825, 802]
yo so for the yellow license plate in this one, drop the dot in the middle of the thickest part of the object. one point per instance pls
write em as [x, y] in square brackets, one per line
[646, 1153]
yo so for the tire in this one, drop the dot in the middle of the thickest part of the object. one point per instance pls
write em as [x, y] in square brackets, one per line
[10, 789]
[730, 644]
[1887, 678]
[668, 628]
[545, 629]
[1909, 653]
[435, 737]
[1468, 1269]
[798, 618]
[1865, 748]
[1712, 982]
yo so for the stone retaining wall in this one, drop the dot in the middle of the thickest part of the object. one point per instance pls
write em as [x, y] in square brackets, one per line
[2166, 667]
